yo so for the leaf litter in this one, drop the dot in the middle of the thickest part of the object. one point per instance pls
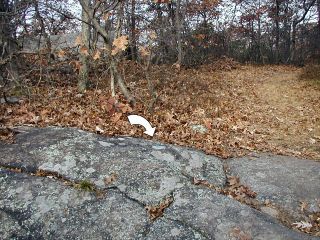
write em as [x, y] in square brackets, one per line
[245, 109]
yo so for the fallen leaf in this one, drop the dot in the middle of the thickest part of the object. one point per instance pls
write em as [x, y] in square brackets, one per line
[239, 234]
[233, 180]
[302, 225]
[153, 35]
[110, 179]
[84, 50]
[61, 53]
[106, 16]
[144, 52]
[157, 211]
[303, 206]
[116, 117]
[78, 41]
[97, 55]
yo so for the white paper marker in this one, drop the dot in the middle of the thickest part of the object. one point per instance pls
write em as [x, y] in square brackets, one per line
[135, 119]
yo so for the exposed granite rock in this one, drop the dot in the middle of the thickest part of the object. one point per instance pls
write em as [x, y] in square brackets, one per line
[217, 216]
[199, 128]
[145, 173]
[41, 208]
[285, 181]
[145, 170]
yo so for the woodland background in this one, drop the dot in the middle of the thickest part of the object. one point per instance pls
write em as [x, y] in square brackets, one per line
[185, 33]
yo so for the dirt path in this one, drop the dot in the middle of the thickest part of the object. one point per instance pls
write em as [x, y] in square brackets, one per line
[290, 108]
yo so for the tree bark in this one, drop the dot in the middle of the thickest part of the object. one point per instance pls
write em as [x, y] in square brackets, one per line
[277, 18]
[160, 25]
[295, 23]
[84, 58]
[120, 19]
[261, 57]
[318, 10]
[293, 42]
[43, 28]
[8, 48]
[179, 32]
[133, 40]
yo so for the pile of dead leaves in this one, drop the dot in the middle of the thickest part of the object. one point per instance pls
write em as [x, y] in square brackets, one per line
[222, 64]
[240, 192]
[240, 110]
[312, 226]
[311, 223]
[311, 73]
[233, 189]
[6, 135]
[157, 211]
[236, 190]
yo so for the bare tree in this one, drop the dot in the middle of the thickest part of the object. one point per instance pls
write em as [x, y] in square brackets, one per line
[296, 20]
[179, 31]
[90, 11]
[8, 46]
[277, 19]
[42, 27]
[133, 38]
[84, 55]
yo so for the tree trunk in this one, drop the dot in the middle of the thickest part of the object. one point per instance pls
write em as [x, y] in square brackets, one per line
[8, 48]
[277, 17]
[133, 41]
[43, 29]
[293, 42]
[113, 69]
[318, 10]
[286, 34]
[123, 87]
[261, 57]
[84, 58]
[295, 23]
[179, 32]
[160, 25]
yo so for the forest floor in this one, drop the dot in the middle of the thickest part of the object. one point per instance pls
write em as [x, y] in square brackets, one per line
[242, 108]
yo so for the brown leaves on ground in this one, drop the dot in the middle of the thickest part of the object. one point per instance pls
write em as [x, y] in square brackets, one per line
[314, 220]
[234, 189]
[157, 211]
[244, 109]
[311, 73]
[240, 192]
[84, 50]
[6, 135]
[311, 223]
[238, 234]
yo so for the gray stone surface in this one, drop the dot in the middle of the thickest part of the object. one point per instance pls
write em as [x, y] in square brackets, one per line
[216, 216]
[11, 99]
[283, 180]
[171, 229]
[34, 207]
[146, 171]
[199, 128]
[42, 208]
